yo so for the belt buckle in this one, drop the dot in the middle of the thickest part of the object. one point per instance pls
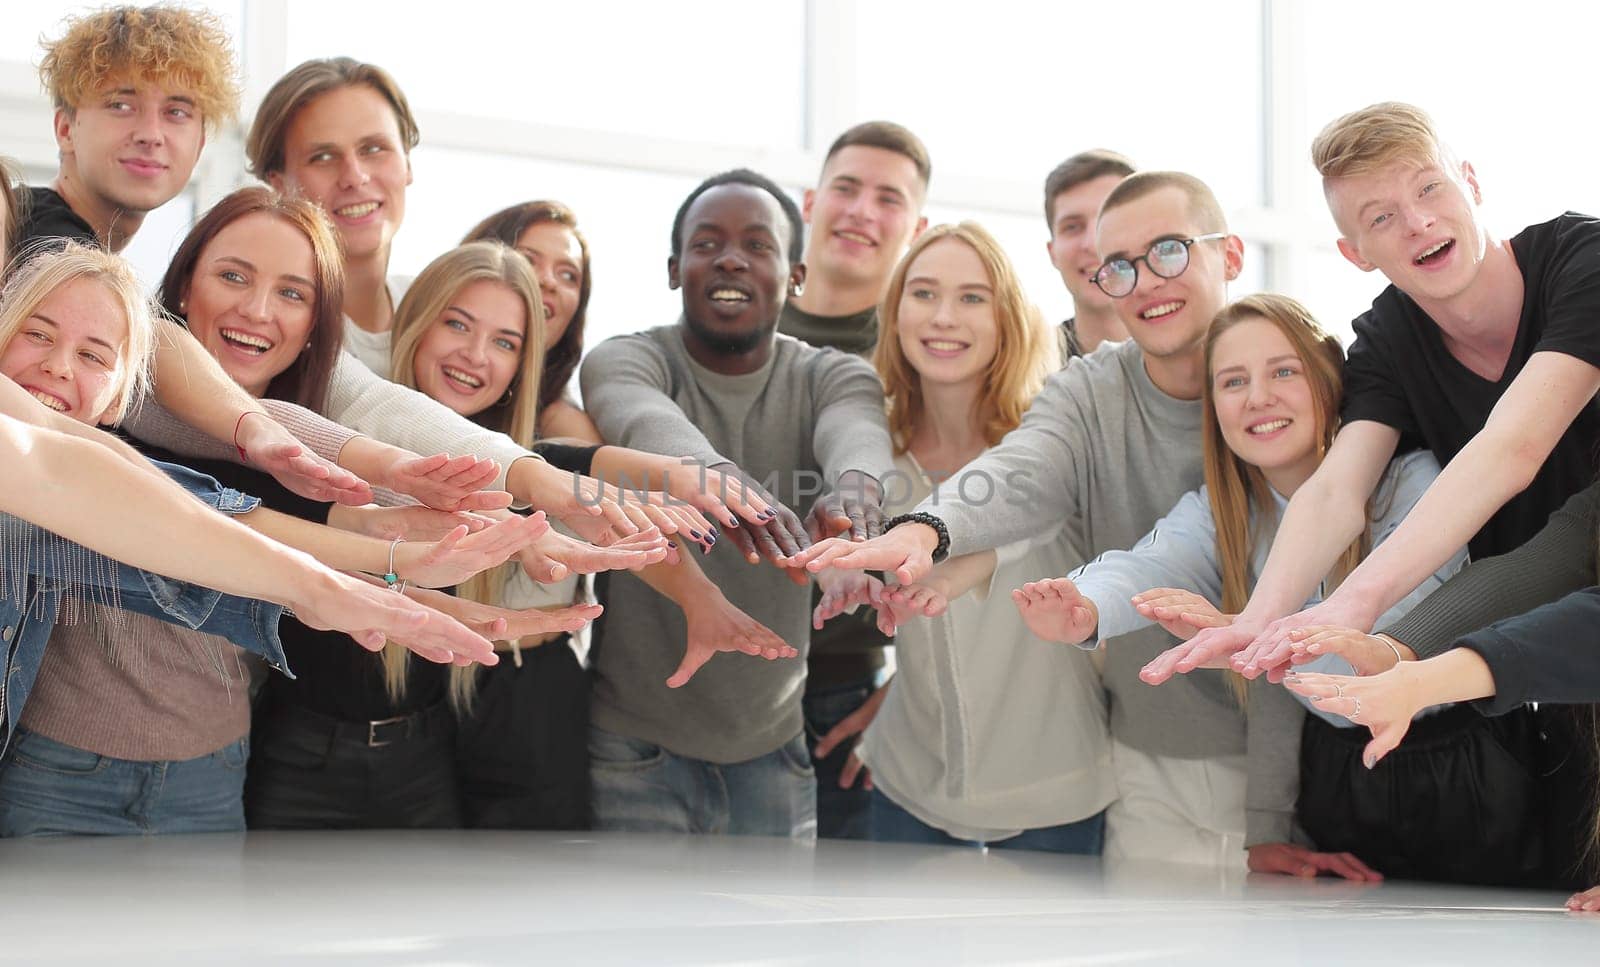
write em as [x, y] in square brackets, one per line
[373, 742]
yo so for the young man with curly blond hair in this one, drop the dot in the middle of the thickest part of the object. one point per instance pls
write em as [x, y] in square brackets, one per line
[136, 90]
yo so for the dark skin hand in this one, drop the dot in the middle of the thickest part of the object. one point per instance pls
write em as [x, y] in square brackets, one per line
[854, 505]
[780, 537]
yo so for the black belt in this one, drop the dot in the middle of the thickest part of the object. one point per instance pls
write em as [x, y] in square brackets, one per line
[374, 733]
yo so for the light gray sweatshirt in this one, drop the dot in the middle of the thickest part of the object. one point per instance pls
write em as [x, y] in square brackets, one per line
[808, 415]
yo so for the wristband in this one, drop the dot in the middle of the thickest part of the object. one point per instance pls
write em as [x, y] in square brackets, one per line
[243, 457]
[390, 578]
[941, 550]
[1390, 642]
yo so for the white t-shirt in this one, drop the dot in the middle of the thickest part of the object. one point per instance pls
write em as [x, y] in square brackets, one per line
[372, 348]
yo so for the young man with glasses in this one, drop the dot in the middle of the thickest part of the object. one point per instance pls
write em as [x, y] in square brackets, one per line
[1106, 450]
[1073, 194]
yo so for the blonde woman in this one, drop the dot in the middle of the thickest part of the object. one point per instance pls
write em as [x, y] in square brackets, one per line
[1271, 404]
[953, 750]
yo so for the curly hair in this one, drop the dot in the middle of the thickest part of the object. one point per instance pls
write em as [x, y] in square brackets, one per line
[173, 47]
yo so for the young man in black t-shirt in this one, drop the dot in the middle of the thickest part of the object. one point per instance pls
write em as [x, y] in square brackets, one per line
[1073, 193]
[129, 133]
[1482, 350]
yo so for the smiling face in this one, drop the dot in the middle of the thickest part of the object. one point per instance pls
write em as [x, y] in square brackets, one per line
[251, 301]
[1415, 223]
[946, 315]
[734, 268]
[470, 353]
[863, 214]
[68, 353]
[1168, 317]
[556, 255]
[1264, 400]
[131, 147]
[1072, 238]
[344, 151]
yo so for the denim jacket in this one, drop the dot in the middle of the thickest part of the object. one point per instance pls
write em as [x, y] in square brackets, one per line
[27, 619]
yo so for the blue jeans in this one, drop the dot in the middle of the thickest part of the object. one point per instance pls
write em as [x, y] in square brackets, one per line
[892, 824]
[642, 787]
[48, 788]
[841, 813]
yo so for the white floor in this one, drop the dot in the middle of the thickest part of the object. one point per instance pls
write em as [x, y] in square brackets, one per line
[460, 898]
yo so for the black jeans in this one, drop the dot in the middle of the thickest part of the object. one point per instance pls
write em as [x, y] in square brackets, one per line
[308, 771]
[522, 755]
[1458, 801]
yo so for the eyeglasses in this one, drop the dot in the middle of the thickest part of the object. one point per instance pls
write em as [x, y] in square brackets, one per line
[1167, 258]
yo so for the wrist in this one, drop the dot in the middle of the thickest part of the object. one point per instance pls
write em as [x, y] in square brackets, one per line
[1402, 652]
[924, 531]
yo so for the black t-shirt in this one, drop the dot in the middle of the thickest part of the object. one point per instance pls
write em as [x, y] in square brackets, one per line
[1399, 372]
[334, 676]
[50, 217]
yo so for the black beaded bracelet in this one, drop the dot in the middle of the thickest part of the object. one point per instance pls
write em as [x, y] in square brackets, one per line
[940, 550]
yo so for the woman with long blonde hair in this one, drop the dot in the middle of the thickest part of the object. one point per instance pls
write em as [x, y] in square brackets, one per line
[1270, 411]
[953, 748]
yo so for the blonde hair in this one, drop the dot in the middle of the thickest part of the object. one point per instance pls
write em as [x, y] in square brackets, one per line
[264, 145]
[1376, 136]
[43, 274]
[517, 415]
[1235, 486]
[172, 47]
[1022, 358]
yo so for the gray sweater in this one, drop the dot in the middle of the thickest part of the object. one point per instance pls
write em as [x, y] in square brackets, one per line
[809, 414]
[1108, 453]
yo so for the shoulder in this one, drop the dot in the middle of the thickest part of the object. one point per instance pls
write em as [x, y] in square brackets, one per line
[1389, 315]
[1568, 242]
[647, 344]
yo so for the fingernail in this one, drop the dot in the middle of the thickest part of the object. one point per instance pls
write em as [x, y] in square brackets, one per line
[1292, 677]
[1369, 761]
[697, 535]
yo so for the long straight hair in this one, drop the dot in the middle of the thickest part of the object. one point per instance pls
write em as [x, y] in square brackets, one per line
[1237, 487]
[517, 415]
[1023, 355]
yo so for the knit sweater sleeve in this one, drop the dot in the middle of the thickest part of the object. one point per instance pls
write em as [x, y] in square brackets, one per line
[851, 430]
[1179, 552]
[1556, 561]
[1551, 654]
[371, 405]
[155, 424]
[1033, 472]
[626, 384]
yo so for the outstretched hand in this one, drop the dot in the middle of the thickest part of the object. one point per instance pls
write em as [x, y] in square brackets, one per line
[1055, 610]
[715, 625]
[1180, 612]
[372, 614]
[1384, 703]
[448, 483]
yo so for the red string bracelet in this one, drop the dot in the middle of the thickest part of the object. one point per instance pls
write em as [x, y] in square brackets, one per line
[243, 457]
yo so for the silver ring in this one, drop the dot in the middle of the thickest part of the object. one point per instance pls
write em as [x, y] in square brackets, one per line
[1356, 711]
[1338, 689]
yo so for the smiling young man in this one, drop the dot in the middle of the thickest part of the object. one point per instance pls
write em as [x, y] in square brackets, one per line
[863, 213]
[1483, 350]
[725, 753]
[135, 92]
[1073, 194]
[1108, 447]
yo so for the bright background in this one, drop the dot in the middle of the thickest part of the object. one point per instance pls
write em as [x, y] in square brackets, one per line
[618, 107]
